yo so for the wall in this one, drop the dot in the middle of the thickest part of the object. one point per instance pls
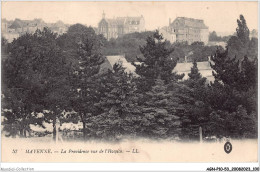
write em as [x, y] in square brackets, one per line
[204, 34]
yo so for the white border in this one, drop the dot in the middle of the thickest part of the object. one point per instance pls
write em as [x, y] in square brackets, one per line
[128, 166]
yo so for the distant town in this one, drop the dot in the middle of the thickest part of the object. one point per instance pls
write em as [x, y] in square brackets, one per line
[181, 29]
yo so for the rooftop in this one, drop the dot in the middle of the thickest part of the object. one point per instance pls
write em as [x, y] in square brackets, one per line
[129, 68]
[123, 20]
[188, 22]
[180, 68]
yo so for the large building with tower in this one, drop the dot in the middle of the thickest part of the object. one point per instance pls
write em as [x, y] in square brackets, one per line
[116, 27]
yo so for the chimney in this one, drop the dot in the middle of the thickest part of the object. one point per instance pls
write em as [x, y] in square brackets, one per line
[170, 20]
[185, 59]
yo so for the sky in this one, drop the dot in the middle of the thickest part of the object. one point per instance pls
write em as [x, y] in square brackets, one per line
[218, 16]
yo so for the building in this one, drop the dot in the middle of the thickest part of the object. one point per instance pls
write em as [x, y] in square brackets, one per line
[203, 67]
[5, 24]
[7, 33]
[116, 27]
[181, 68]
[18, 27]
[168, 34]
[27, 26]
[111, 60]
[59, 27]
[188, 30]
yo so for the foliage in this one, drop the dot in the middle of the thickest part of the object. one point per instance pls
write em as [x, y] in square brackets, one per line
[196, 108]
[83, 46]
[119, 111]
[226, 69]
[159, 113]
[35, 75]
[157, 62]
[242, 30]
[233, 74]
[241, 45]
[215, 38]
[60, 78]
[237, 124]
[233, 95]
[195, 52]
[127, 45]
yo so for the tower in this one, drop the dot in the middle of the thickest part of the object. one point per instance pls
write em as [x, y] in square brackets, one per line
[103, 15]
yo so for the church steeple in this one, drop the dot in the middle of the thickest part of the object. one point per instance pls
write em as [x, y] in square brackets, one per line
[103, 15]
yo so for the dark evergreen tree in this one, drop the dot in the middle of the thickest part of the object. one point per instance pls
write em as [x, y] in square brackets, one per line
[233, 96]
[157, 61]
[252, 51]
[226, 69]
[4, 48]
[237, 124]
[119, 111]
[196, 109]
[249, 73]
[159, 113]
[127, 44]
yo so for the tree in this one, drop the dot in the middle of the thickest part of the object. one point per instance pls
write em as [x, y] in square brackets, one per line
[237, 124]
[119, 111]
[241, 45]
[248, 73]
[232, 96]
[197, 51]
[4, 49]
[252, 51]
[230, 84]
[82, 45]
[4, 44]
[236, 48]
[36, 75]
[229, 71]
[17, 116]
[159, 113]
[196, 108]
[127, 44]
[214, 37]
[226, 69]
[156, 61]
[242, 30]
[79, 34]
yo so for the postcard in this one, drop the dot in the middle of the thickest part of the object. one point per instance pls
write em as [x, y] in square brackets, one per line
[129, 81]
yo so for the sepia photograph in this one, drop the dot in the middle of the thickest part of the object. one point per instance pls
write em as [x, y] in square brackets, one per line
[129, 81]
